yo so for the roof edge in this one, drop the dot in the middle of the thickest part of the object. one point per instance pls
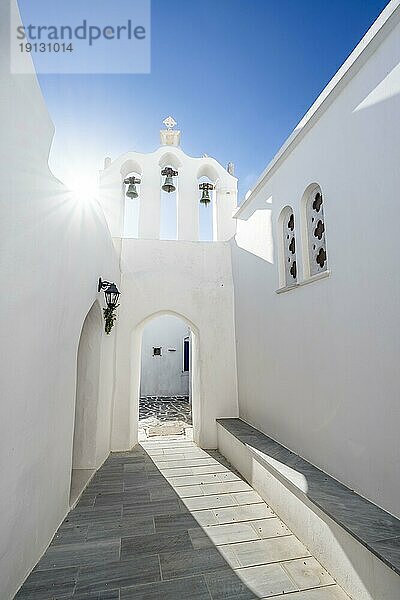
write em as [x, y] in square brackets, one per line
[385, 22]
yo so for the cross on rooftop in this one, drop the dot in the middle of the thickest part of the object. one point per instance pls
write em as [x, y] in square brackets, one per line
[169, 122]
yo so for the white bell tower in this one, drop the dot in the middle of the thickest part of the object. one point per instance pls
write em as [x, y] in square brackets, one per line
[187, 172]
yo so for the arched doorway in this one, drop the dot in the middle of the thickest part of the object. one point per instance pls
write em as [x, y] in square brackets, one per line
[180, 359]
[165, 378]
[86, 402]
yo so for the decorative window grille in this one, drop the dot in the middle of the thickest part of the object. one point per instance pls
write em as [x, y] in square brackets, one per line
[316, 232]
[289, 247]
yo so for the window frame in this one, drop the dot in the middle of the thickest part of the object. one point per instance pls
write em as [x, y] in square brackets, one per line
[284, 253]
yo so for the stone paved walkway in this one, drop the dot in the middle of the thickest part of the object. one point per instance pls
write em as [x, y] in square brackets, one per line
[165, 408]
[169, 521]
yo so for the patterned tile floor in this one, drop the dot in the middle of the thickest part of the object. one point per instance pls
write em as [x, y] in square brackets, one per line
[168, 521]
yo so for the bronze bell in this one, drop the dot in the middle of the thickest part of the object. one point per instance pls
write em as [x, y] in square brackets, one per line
[205, 193]
[169, 182]
[132, 190]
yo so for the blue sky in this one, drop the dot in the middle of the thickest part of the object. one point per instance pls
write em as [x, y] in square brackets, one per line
[237, 75]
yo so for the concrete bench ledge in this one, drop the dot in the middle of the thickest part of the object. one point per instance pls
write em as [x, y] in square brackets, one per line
[373, 527]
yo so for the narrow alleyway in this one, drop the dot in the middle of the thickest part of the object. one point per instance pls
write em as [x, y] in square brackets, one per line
[169, 521]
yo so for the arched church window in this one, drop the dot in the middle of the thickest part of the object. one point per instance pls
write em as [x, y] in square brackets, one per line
[289, 260]
[315, 222]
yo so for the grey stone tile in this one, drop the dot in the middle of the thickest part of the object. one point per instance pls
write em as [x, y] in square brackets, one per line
[118, 574]
[133, 474]
[227, 487]
[190, 562]
[135, 467]
[269, 528]
[173, 523]
[159, 507]
[156, 478]
[154, 544]
[151, 467]
[307, 573]
[125, 527]
[115, 499]
[216, 467]
[132, 457]
[250, 497]
[44, 585]
[200, 539]
[366, 522]
[267, 580]
[194, 479]
[168, 463]
[208, 502]
[194, 588]
[86, 553]
[86, 500]
[230, 533]
[205, 518]
[265, 551]
[106, 486]
[163, 493]
[108, 478]
[245, 512]
[72, 535]
[132, 485]
[179, 472]
[330, 592]
[106, 595]
[103, 514]
[225, 584]
[389, 552]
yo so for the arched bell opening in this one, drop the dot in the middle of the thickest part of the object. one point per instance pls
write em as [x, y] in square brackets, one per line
[206, 190]
[168, 202]
[132, 194]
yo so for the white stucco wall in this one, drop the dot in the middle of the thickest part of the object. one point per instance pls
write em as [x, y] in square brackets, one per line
[193, 281]
[54, 247]
[317, 366]
[163, 375]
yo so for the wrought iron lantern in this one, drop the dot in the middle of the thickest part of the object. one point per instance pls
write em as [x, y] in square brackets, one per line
[205, 193]
[131, 182]
[169, 173]
[111, 294]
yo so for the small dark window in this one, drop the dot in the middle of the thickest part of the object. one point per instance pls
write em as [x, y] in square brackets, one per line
[156, 351]
[186, 355]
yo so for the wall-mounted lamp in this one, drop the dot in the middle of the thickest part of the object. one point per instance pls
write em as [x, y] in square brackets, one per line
[205, 195]
[131, 182]
[111, 294]
[169, 173]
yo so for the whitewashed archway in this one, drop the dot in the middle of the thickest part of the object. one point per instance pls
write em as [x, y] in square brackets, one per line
[136, 348]
[85, 435]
